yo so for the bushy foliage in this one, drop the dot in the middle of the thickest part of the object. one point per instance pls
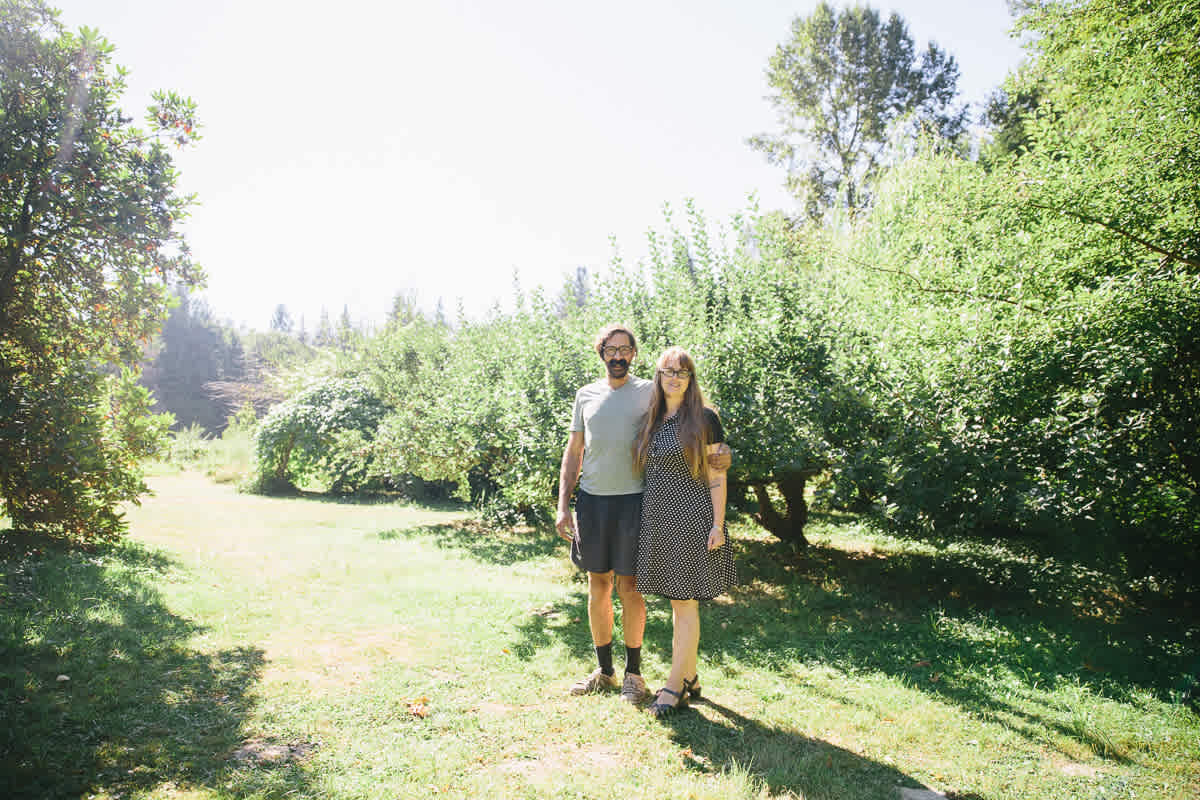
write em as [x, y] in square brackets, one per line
[1038, 316]
[484, 408]
[89, 238]
[319, 434]
[488, 405]
[75, 444]
[995, 346]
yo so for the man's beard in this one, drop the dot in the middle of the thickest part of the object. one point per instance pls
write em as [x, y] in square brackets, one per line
[617, 368]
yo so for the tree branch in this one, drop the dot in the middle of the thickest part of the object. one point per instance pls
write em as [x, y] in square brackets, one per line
[1121, 232]
[921, 287]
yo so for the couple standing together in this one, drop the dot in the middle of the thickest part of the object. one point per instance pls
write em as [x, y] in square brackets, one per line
[650, 460]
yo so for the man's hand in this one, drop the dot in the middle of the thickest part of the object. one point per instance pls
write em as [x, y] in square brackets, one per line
[566, 525]
[721, 459]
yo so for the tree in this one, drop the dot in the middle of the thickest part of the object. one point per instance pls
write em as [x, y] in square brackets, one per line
[324, 335]
[88, 243]
[194, 356]
[405, 307]
[1037, 313]
[837, 85]
[281, 320]
[574, 293]
[324, 431]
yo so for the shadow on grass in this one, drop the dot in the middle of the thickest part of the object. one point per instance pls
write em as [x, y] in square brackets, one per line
[787, 761]
[382, 498]
[485, 545]
[989, 628]
[100, 690]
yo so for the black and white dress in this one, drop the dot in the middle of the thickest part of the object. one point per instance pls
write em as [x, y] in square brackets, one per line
[677, 515]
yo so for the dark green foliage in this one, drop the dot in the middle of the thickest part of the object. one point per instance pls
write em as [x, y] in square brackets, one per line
[74, 444]
[88, 241]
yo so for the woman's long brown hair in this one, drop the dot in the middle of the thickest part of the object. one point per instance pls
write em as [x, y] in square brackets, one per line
[693, 433]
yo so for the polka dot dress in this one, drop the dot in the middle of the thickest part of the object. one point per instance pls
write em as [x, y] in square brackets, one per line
[673, 556]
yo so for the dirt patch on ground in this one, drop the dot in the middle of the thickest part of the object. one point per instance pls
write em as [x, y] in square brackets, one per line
[268, 751]
[340, 660]
[1075, 769]
[551, 761]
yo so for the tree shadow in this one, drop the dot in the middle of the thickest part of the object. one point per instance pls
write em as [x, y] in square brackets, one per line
[718, 739]
[990, 629]
[486, 545]
[100, 690]
[940, 620]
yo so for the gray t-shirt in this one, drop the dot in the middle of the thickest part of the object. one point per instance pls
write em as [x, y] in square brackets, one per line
[609, 419]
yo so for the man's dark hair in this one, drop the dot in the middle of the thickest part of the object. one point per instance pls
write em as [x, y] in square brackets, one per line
[607, 332]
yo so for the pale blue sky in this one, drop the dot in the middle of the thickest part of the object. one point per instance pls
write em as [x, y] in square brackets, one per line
[356, 149]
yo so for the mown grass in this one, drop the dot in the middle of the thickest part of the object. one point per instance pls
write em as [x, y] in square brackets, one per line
[240, 646]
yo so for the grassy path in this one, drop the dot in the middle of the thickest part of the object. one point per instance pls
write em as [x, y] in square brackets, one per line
[241, 646]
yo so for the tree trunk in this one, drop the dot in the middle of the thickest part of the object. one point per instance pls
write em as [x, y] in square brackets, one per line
[789, 525]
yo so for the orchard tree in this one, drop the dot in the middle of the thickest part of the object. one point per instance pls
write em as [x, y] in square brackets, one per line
[89, 239]
[837, 85]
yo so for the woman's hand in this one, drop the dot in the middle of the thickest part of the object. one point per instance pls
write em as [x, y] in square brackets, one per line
[716, 537]
[720, 457]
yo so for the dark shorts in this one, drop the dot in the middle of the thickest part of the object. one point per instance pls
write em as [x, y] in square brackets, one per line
[606, 532]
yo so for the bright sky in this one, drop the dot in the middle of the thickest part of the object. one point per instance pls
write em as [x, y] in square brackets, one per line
[356, 149]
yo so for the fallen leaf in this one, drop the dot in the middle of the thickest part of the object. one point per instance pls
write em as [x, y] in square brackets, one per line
[921, 664]
[419, 707]
[935, 677]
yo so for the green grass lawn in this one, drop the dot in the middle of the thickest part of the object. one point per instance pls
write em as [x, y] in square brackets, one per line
[240, 646]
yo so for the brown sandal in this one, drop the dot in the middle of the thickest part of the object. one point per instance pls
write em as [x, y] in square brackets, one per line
[659, 710]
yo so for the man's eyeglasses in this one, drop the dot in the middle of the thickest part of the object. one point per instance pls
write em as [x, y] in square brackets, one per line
[611, 352]
[675, 373]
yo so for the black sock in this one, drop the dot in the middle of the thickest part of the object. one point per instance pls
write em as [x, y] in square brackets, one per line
[604, 656]
[633, 660]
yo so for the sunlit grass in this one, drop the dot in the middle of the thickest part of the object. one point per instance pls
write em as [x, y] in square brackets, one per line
[243, 646]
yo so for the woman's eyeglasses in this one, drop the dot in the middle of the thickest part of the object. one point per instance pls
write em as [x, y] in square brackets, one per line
[675, 373]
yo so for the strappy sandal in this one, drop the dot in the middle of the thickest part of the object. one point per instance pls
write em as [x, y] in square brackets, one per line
[691, 688]
[659, 710]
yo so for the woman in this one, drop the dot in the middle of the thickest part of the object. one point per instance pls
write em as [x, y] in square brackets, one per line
[683, 554]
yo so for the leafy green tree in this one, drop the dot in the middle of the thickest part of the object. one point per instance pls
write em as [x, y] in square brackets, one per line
[488, 406]
[320, 433]
[837, 85]
[1006, 115]
[1036, 315]
[88, 242]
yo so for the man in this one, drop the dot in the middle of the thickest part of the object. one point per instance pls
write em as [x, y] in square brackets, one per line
[608, 511]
